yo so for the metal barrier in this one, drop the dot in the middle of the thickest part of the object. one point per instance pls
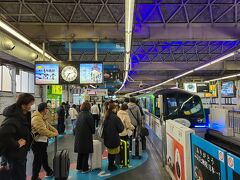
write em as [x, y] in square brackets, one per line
[234, 120]
[157, 134]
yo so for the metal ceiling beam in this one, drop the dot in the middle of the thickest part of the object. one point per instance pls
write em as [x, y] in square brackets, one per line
[55, 32]
[199, 32]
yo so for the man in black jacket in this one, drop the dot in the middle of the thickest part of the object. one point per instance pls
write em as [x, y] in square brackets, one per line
[15, 135]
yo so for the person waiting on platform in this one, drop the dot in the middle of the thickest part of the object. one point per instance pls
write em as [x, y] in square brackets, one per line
[61, 118]
[95, 112]
[42, 130]
[15, 135]
[73, 115]
[85, 128]
[111, 129]
[134, 114]
[128, 127]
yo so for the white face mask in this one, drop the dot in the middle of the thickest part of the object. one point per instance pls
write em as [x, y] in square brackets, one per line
[49, 104]
[33, 107]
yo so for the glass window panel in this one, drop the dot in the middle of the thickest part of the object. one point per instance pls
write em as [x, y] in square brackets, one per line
[24, 81]
[18, 83]
[7, 83]
[31, 83]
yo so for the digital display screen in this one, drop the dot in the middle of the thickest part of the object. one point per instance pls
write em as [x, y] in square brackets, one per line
[91, 73]
[228, 89]
[203, 87]
[191, 87]
[46, 74]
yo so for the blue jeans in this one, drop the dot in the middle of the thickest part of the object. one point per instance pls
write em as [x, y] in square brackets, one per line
[74, 122]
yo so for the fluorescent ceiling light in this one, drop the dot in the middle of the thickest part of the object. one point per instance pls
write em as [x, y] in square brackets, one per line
[16, 34]
[191, 71]
[93, 86]
[225, 77]
[184, 74]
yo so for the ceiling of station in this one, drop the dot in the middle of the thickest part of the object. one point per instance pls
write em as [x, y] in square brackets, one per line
[173, 36]
[169, 36]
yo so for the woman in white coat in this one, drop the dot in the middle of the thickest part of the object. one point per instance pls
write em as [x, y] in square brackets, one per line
[128, 127]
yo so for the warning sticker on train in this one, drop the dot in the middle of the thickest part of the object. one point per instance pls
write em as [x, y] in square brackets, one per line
[230, 162]
[220, 156]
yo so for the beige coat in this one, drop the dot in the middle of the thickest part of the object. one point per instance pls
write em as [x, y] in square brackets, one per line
[123, 115]
[41, 126]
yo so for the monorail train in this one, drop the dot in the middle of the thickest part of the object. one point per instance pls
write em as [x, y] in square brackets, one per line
[176, 103]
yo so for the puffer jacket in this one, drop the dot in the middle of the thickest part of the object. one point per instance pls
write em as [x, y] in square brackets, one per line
[73, 113]
[41, 128]
[16, 125]
[111, 128]
[123, 115]
[134, 114]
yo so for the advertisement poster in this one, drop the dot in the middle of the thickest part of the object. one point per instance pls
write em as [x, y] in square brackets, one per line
[46, 74]
[208, 160]
[205, 165]
[91, 73]
[228, 89]
[57, 89]
[178, 151]
[233, 163]
[175, 157]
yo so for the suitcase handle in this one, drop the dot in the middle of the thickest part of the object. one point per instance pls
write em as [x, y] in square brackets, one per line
[55, 145]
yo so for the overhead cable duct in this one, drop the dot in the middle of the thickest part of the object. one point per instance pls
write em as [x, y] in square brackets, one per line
[6, 44]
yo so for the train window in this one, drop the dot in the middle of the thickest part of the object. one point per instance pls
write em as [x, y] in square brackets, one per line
[172, 105]
[191, 106]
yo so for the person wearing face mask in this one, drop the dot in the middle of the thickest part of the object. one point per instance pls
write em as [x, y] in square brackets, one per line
[42, 130]
[111, 128]
[15, 135]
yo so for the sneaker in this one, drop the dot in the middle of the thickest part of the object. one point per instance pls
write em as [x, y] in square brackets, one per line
[50, 173]
[84, 172]
[112, 168]
[80, 170]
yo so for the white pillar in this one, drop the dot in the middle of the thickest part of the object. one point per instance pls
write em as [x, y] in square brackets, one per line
[238, 93]
[219, 86]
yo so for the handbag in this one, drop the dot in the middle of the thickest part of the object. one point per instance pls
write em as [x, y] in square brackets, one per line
[143, 132]
[100, 131]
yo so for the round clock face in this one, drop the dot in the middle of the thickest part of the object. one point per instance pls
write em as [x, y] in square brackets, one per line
[69, 73]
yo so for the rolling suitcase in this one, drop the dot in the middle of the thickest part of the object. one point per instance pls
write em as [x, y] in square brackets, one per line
[144, 144]
[137, 148]
[61, 163]
[122, 158]
[95, 160]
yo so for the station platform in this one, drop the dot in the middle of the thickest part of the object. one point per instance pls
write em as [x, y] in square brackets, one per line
[148, 167]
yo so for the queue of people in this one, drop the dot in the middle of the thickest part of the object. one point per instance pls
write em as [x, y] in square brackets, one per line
[21, 131]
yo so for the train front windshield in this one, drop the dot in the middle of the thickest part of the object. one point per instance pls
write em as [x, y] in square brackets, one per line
[186, 106]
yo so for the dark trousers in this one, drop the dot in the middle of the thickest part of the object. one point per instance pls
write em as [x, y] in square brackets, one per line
[111, 159]
[82, 162]
[40, 158]
[17, 168]
[61, 126]
[125, 138]
[96, 119]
